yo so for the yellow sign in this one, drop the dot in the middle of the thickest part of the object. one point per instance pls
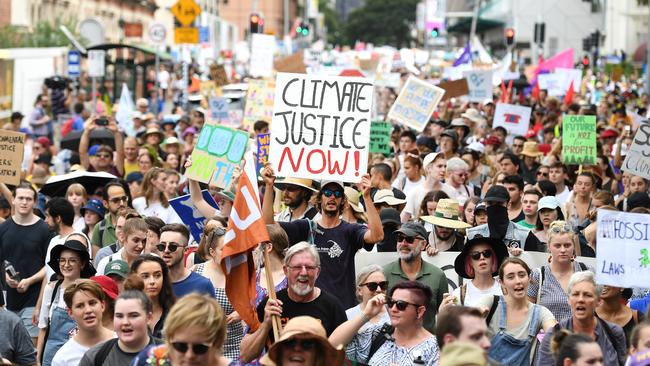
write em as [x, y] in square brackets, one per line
[185, 11]
[186, 35]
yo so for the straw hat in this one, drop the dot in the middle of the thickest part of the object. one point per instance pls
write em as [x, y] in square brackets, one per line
[153, 131]
[447, 215]
[305, 327]
[300, 182]
[531, 148]
[387, 196]
[473, 115]
[353, 199]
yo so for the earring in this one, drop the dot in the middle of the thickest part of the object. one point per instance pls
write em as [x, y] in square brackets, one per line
[573, 258]
[549, 258]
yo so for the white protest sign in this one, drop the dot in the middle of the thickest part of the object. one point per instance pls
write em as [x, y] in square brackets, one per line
[388, 80]
[480, 84]
[262, 50]
[514, 118]
[552, 83]
[569, 75]
[96, 60]
[637, 160]
[623, 256]
[415, 103]
[321, 126]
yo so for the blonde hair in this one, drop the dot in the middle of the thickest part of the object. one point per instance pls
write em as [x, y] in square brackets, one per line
[560, 227]
[77, 188]
[199, 313]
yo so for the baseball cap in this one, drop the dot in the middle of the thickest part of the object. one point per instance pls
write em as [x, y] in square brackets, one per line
[108, 286]
[413, 229]
[117, 267]
[548, 202]
[93, 150]
[497, 194]
[44, 141]
[134, 177]
[326, 182]
[389, 216]
[429, 159]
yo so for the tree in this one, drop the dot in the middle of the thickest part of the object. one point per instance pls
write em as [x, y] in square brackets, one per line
[334, 30]
[43, 34]
[382, 22]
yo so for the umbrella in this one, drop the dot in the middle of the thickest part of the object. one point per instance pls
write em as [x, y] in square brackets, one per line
[98, 136]
[57, 185]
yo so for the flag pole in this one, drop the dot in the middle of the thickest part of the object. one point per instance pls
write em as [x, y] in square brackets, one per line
[275, 320]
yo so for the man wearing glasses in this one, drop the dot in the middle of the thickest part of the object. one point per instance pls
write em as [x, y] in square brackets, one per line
[115, 198]
[104, 161]
[456, 185]
[411, 240]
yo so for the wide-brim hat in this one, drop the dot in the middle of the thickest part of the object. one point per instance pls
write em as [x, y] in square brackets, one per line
[153, 131]
[306, 327]
[300, 182]
[447, 215]
[77, 247]
[473, 115]
[459, 122]
[227, 195]
[353, 199]
[387, 196]
[531, 148]
[500, 251]
[95, 206]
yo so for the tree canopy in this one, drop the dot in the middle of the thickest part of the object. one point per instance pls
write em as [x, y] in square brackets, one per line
[382, 22]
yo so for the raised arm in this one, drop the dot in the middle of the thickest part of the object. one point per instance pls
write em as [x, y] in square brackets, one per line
[375, 231]
[119, 145]
[253, 343]
[267, 206]
[196, 197]
[344, 333]
[84, 142]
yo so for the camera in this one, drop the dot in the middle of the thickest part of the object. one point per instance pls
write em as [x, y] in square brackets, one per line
[102, 121]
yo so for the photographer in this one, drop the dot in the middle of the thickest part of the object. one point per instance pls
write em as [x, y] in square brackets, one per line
[105, 162]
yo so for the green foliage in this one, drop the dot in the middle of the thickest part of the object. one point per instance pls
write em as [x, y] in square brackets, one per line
[383, 22]
[43, 34]
[334, 30]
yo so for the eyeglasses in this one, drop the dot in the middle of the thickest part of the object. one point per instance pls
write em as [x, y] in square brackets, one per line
[72, 261]
[299, 268]
[477, 255]
[197, 349]
[409, 239]
[103, 156]
[119, 199]
[305, 344]
[329, 193]
[171, 246]
[400, 304]
[372, 286]
[517, 145]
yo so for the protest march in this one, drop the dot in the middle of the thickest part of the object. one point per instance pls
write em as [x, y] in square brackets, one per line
[306, 194]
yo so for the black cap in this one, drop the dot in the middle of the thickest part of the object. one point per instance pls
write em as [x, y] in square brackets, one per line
[389, 216]
[638, 199]
[440, 123]
[44, 159]
[480, 206]
[426, 141]
[413, 229]
[497, 194]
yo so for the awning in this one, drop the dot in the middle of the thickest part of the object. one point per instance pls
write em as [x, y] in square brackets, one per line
[143, 48]
[482, 25]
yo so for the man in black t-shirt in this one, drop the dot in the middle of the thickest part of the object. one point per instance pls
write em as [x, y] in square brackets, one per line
[335, 240]
[301, 297]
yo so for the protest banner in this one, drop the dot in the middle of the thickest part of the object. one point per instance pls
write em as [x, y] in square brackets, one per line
[293, 63]
[637, 160]
[455, 88]
[623, 255]
[263, 142]
[190, 215]
[12, 145]
[218, 150]
[579, 140]
[415, 103]
[321, 126]
[380, 137]
[259, 102]
[569, 75]
[479, 83]
[514, 118]
[262, 50]
[388, 80]
[218, 108]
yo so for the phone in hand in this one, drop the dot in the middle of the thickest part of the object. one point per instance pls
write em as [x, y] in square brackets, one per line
[102, 121]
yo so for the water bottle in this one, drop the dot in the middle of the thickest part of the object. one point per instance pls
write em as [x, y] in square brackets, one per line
[11, 271]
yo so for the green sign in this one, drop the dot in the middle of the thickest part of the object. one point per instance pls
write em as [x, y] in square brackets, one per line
[380, 137]
[579, 140]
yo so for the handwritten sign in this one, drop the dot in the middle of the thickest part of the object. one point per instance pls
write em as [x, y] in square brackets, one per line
[623, 255]
[514, 118]
[262, 49]
[380, 137]
[415, 103]
[259, 102]
[388, 80]
[454, 88]
[218, 108]
[217, 152]
[321, 126]
[637, 160]
[579, 140]
[263, 142]
[12, 146]
[190, 216]
[479, 83]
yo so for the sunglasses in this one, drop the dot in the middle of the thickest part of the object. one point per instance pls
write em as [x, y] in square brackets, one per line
[542, 174]
[561, 229]
[103, 156]
[477, 255]
[290, 188]
[197, 349]
[305, 344]
[171, 246]
[119, 199]
[329, 193]
[372, 286]
[409, 239]
[400, 304]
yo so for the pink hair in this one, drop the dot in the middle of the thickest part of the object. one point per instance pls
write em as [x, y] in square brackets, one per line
[468, 263]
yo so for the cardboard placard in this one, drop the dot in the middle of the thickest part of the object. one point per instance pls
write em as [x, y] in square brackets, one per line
[455, 88]
[380, 137]
[480, 85]
[415, 103]
[514, 118]
[293, 64]
[637, 160]
[321, 126]
[259, 102]
[262, 50]
[218, 150]
[579, 140]
[12, 147]
[190, 216]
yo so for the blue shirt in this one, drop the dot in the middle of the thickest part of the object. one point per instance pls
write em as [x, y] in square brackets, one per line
[193, 283]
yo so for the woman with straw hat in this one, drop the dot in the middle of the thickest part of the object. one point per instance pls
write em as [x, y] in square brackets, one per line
[446, 223]
[530, 154]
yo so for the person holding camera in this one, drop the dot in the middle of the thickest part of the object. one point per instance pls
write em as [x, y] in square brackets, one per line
[106, 161]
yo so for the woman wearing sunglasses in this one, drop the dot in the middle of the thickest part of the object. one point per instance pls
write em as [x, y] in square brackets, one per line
[212, 271]
[158, 287]
[195, 331]
[371, 281]
[513, 321]
[410, 342]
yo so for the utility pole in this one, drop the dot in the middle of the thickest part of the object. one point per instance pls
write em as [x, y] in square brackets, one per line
[472, 32]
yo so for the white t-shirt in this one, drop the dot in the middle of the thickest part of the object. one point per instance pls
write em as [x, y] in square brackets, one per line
[163, 79]
[168, 215]
[563, 196]
[408, 185]
[46, 304]
[101, 266]
[460, 194]
[414, 199]
[69, 354]
[473, 294]
[79, 224]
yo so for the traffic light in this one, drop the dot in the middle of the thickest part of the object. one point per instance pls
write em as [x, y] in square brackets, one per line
[435, 32]
[510, 36]
[586, 44]
[302, 29]
[540, 30]
[585, 61]
[256, 23]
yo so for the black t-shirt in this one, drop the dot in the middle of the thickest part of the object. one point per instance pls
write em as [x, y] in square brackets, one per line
[336, 247]
[25, 246]
[325, 308]
[519, 217]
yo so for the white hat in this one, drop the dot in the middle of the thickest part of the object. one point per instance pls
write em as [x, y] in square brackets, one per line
[387, 196]
[548, 202]
[429, 159]
[476, 146]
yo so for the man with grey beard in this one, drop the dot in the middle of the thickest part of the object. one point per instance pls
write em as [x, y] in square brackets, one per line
[411, 240]
[301, 297]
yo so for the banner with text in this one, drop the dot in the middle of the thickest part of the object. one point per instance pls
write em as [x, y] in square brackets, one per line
[12, 147]
[415, 103]
[219, 108]
[623, 255]
[579, 140]
[637, 160]
[218, 150]
[380, 137]
[321, 126]
[259, 102]
[480, 85]
[514, 118]
[190, 215]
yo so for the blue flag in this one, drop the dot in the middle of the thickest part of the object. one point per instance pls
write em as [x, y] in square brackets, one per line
[465, 57]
